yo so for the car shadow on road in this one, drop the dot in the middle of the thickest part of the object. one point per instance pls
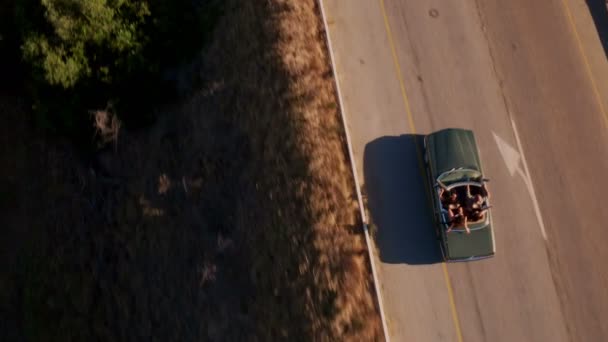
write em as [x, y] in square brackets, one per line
[397, 201]
[599, 13]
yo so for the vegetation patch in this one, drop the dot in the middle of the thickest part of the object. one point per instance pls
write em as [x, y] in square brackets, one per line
[233, 217]
[87, 55]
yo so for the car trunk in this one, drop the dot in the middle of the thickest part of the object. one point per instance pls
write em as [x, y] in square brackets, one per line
[460, 245]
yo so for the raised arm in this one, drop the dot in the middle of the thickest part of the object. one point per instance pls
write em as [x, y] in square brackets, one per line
[486, 191]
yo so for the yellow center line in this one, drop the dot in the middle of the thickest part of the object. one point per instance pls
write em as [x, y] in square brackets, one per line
[585, 60]
[452, 303]
[406, 102]
[410, 118]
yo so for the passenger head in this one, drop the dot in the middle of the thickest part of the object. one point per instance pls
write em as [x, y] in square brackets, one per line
[453, 195]
[478, 199]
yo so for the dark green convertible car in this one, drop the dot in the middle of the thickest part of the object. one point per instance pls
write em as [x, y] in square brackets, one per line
[453, 167]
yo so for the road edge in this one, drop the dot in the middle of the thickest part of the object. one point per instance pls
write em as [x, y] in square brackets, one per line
[354, 171]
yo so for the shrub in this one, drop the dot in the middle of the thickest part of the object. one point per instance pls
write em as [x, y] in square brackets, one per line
[92, 38]
[82, 55]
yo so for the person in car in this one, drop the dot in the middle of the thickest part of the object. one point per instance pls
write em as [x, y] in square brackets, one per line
[451, 203]
[485, 192]
[475, 207]
[449, 199]
[458, 219]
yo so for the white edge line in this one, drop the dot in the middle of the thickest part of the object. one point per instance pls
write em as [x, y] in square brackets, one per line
[529, 184]
[355, 175]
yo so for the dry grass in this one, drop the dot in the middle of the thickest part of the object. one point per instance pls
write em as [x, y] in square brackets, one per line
[234, 218]
[342, 254]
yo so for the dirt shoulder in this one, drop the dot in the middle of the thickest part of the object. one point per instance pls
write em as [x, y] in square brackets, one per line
[233, 218]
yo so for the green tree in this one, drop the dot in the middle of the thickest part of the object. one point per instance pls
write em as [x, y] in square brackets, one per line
[81, 55]
[84, 39]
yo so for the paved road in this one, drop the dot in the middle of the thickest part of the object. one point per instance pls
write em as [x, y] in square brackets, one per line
[513, 72]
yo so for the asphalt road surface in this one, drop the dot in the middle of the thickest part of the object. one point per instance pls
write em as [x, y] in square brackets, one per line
[516, 72]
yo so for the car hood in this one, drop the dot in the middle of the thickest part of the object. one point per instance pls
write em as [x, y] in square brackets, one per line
[453, 148]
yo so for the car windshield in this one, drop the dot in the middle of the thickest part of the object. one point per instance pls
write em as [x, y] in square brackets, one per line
[459, 175]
